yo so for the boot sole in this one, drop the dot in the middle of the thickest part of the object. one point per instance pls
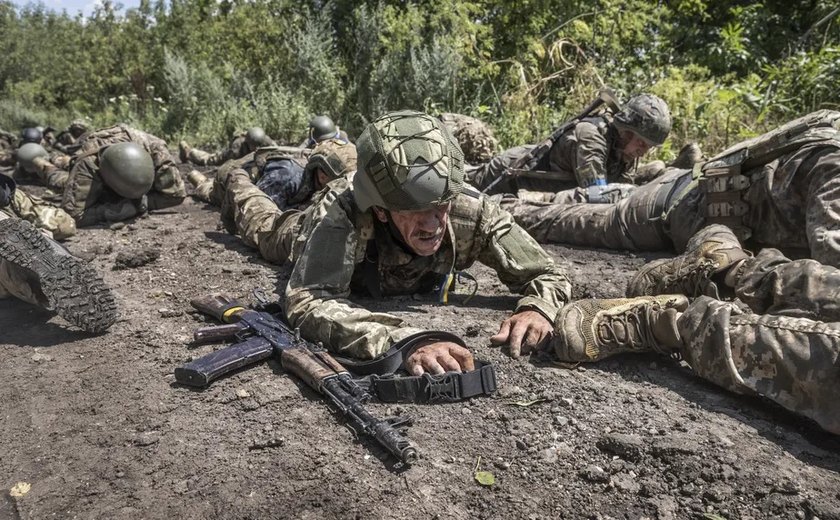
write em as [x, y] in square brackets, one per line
[75, 291]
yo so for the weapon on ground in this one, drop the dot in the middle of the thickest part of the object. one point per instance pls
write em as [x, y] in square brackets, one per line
[519, 167]
[262, 335]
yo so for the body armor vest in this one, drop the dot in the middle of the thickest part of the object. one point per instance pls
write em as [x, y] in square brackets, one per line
[724, 178]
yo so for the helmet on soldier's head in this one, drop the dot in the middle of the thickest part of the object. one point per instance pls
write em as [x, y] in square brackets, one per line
[255, 136]
[407, 161]
[78, 127]
[647, 116]
[27, 154]
[322, 127]
[31, 135]
[127, 168]
[335, 158]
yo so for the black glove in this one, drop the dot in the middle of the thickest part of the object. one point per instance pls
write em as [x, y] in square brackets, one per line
[7, 190]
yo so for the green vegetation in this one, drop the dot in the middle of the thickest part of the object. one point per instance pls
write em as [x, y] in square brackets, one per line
[202, 69]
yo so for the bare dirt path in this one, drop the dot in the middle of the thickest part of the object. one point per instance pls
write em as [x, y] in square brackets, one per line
[98, 429]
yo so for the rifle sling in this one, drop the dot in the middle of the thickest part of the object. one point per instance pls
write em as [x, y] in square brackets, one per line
[428, 388]
[381, 378]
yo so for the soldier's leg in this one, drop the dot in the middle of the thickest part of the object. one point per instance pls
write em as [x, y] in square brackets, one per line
[203, 186]
[483, 176]
[40, 271]
[632, 223]
[792, 361]
[773, 284]
[258, 221]
[44, 216]
[196, 156]
[711, 252]
[714, 263]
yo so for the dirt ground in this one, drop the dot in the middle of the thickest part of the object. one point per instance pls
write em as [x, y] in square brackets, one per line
[98, 428]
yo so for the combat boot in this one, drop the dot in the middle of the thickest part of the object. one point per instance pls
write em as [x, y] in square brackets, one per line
[591, 330]
[184, 151]
[689, 154]
[712, 250]
[60, 281]
[196, 177]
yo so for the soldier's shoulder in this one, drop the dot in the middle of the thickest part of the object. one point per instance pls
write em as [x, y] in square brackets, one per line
[467, 206]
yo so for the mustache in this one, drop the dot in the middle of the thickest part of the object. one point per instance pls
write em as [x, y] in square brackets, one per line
[423, 235]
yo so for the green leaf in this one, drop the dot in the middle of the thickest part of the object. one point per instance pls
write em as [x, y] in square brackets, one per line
[485, 478]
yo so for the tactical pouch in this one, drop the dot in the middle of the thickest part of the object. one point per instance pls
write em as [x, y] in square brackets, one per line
[724, 189]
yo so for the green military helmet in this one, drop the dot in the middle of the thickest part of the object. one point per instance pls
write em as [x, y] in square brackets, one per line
[335, 158]
[256, 136]
[407, 161]
[127, 169]
[322, 127]
[647, 116]
[27, 154]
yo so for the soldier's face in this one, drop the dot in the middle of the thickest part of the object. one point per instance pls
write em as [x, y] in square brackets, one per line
[321, 178]
[634, 146]
[422, 231]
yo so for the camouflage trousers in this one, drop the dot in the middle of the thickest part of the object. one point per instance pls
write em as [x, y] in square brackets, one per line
[50, 219]
[14, 280]
[795, 362]
[638, 222]
[259, 222]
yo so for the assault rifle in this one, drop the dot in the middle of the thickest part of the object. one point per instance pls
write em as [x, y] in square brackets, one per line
[520, 168]
[262, 335]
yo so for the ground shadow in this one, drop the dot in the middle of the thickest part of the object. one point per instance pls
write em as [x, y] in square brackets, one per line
[781, 427]
[27, 325]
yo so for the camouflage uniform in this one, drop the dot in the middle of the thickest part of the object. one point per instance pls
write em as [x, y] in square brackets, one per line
[473, 135]
[363, 257]
[784, 343]
[267, 215]
[211, 188]
[50, 219]
[585, 153]
[8, 145]
[67, 138]
[89, 200]
[789, 203]
[239, 147]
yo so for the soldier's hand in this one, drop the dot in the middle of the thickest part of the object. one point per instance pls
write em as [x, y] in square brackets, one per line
[523, 332]
[439, 357]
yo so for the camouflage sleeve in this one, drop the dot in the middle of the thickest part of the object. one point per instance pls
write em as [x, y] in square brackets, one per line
[168, 189]
[590, 155]
[520, 262]
[316, 296]
[82, 189]
[822, 211]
